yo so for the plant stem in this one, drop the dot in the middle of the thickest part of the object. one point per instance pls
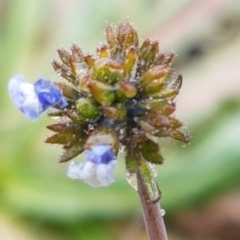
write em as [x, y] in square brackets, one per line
[151, 212]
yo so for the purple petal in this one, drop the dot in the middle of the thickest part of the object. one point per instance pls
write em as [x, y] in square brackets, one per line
[49, 94]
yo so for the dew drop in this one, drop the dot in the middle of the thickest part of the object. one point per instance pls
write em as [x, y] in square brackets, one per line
[134, 101]
[135, 130]
[152, 169]
[135, 119]
[55, 117]
[122, 131]
[68, 73]
[163, 212]
[132, 179]
[122, 135]
[90, 127]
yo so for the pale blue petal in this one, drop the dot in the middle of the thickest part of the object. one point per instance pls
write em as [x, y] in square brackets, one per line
[96, 175]
[24, 97]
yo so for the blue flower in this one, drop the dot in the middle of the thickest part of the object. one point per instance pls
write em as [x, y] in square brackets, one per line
[32, 100]
[97, 170]
[24, 97]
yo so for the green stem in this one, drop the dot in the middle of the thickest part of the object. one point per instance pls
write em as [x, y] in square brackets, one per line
[151, 211]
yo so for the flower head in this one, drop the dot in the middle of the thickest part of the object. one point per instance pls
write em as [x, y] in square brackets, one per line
[97, 170]
[121, 97]
[31, 99]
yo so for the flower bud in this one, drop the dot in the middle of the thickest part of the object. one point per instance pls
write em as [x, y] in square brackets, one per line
[103, 51]
[167, 93]
[160, 105]
[103, 93]
[127, 89]
[130, 60]
[111, 40]
[154, 77]
[87, 108]
[148, 53]
[107, 71]
[126, 36]
[114, 112]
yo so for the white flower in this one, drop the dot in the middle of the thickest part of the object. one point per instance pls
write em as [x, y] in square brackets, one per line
[96, 175]
[97, 170]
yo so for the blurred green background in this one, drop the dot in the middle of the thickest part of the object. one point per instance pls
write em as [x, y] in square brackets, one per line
[199, 183]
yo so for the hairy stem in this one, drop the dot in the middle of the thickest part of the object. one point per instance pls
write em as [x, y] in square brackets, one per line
[151, 212]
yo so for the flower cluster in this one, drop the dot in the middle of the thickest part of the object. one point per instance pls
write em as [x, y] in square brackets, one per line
[123, 97]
